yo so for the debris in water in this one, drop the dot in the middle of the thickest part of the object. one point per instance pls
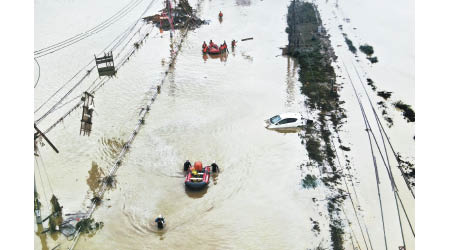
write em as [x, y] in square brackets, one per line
[88, 225]
[182, 15]
[344, 148]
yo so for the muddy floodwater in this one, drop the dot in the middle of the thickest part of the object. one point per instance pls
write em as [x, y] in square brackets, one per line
[209, 109]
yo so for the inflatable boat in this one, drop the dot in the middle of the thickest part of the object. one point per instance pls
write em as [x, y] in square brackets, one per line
[214, 50]
[197, 179]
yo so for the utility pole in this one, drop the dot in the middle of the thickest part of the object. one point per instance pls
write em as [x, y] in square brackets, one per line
[37, 204]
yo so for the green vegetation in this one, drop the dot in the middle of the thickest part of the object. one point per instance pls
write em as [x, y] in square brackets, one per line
[314, 53]
[337, 236]
[313, 148]
[408, 169]
[366, 49]
[389, 121]
[373, 59]
[316, 227]
[370, 83]
[382, 105]
[408, 112]
[385, 94]
[350, 45]
[310, 181]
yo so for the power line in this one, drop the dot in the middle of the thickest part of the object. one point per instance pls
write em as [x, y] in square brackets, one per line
[373, 155]
[382, 129]
[39, 73]
[77, 38]
[349, 195]
[45, 171]
[122, 36]
[93, 88]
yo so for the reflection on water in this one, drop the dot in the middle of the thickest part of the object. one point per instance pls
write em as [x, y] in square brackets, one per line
[94, 178]
[195, 194]
[291, 81]
[111, 148]
[42, 236]
[247, 57]
[285, 130]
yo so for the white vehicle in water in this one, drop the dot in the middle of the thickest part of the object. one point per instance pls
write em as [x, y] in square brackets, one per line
[285, 121]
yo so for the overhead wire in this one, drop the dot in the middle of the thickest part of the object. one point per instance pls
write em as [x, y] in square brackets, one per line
[91, 89]
[388, 169]
[387, 161]
[45, 171]
[42, 182]
[348, 191]
[381, 128]
[39, 73]
[373, 156]
[349, 195]
[77, 38]
[121, 36]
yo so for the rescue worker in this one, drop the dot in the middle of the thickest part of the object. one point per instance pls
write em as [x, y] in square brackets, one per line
[160, 221]
[187, 165]
[198, 166]
[211, 43]
[204, 45]
[225, 46]
[233, 44]
[215, 168]
[220, 14]
[205, 49]
[222, 48]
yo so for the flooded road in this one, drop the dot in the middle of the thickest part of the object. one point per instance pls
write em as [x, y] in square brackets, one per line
[209, 109]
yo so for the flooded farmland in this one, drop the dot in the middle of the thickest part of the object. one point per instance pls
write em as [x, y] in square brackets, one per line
[212, 108]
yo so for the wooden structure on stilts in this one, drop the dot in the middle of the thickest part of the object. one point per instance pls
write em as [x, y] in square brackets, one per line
[86, 117]
[105, 65]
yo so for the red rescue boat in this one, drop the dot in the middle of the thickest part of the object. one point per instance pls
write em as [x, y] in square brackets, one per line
[198, 177]
[213, 49]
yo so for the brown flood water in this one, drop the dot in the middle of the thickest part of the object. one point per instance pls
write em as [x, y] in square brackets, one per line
[210, 109]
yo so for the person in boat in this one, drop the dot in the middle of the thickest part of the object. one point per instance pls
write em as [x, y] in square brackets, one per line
[215, 167]
[187, 165]
[160, 222]
[198, 166]
[222, 48]
[233, 44]
[204, 45]
[220, 14]
[211, 43]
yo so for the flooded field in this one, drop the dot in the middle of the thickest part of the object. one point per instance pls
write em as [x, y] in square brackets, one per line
[209, 109]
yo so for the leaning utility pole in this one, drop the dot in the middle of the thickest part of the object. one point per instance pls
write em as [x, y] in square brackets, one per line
[37, 204]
